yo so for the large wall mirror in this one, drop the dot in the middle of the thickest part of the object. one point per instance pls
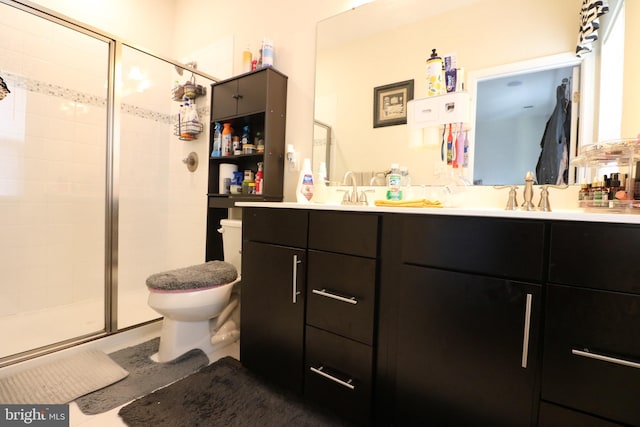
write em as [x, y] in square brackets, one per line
[530, 47]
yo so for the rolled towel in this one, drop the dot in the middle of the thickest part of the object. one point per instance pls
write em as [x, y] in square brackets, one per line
[417, 203]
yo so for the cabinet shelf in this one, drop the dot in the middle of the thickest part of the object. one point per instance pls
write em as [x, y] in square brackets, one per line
[232, 158]
[256, 99]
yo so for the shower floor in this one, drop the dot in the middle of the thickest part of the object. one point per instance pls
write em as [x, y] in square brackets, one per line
[27, 331]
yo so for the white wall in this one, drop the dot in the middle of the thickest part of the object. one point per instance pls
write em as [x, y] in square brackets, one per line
[195, 29]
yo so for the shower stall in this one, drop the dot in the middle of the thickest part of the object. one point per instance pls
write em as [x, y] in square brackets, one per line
[94, 193]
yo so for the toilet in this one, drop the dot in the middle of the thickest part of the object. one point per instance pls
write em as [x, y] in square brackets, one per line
[189, 298]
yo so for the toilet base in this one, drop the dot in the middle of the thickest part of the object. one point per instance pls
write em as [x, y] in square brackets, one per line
[179, 337]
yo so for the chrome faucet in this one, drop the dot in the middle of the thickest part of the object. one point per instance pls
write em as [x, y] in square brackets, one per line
[354, 187]
[355, 197]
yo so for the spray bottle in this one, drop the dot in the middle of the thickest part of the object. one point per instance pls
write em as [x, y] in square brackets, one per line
[217, 140]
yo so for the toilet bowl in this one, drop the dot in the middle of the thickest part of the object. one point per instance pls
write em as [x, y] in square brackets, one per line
[188, 298]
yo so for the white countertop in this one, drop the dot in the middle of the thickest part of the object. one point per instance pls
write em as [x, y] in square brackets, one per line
[559, 214]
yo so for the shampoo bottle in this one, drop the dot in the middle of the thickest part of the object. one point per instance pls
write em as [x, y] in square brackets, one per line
[305, 189]
[260, 179]
[435, 83]
[226, 139]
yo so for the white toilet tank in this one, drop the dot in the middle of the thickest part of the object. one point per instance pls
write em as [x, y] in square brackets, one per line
[231, 230]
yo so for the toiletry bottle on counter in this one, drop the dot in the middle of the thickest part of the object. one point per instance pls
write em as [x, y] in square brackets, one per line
[394, 191]
[320, 187]
[305, 188]
[405, 183]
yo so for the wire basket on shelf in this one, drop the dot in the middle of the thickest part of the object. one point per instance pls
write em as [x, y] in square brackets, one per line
[189, 90]
[187, 131]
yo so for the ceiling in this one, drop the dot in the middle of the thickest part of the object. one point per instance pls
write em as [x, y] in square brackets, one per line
[505, 97]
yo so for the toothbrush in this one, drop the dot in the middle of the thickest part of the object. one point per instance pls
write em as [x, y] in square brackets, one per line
[450, 146]
[444, 132]
[459, 162]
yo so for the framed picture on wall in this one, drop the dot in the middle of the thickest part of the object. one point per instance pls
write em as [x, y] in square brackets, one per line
[390, 103]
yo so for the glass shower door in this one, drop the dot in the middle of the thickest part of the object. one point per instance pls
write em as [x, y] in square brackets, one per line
[53, 157]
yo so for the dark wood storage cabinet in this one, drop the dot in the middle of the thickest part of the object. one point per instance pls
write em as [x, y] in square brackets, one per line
[405, 319]
[328, 262]
[460, 307]
[274, 259]
[259, 100]
[592, 327]
[341, 303]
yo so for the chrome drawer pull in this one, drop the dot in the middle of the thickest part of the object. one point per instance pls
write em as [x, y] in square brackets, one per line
[527, 328]
[295, 278]
[324, 293]
[606, 358]
[320, 371]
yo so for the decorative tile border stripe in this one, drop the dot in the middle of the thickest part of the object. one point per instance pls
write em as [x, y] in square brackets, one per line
[37, 86]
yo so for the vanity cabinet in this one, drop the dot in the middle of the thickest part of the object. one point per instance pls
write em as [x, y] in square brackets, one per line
[460, 313]
[259, 100]
[309, 282]
[274, 259]
[592, 328]
[340, 321]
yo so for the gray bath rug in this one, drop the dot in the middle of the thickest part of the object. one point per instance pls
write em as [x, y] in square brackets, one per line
[144, 377]
[223, 394]
[62, 380]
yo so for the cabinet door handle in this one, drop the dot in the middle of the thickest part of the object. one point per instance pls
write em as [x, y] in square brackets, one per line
[296, 261]
[527, 328]
[324, 293]
[320, 371]
[606, 358]
[236, 96]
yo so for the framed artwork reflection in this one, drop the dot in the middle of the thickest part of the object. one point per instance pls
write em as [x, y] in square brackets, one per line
[390, 103]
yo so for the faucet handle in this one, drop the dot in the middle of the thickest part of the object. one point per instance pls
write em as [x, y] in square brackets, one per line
[362, 198]
[544, 204]
[512, 203]
[346, 198]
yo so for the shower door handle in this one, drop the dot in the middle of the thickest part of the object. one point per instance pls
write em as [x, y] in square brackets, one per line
[296, 261]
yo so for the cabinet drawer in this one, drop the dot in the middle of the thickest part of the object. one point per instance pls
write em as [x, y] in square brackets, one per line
[592, 352]
[287, 227]
[588, 254]
[338, 374]
[503, 248]
[554, 416]
[341, 294]
[347, 233]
